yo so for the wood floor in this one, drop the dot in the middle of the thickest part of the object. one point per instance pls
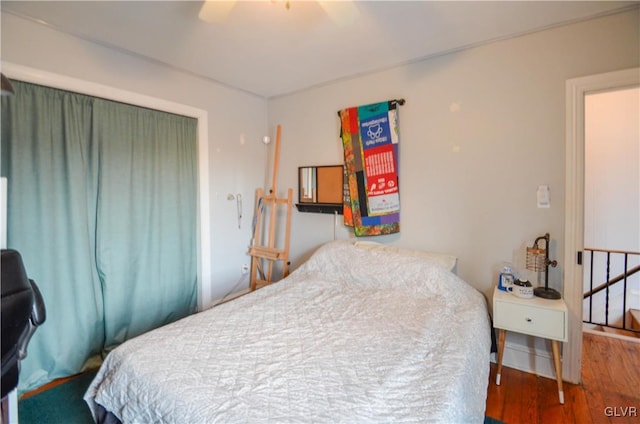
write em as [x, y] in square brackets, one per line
[609, 393]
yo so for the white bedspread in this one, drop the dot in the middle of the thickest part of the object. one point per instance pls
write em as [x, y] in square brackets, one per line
[351, 336]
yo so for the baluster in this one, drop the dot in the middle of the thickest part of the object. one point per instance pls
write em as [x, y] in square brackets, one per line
[624, 293]
[606, 304]
[591, 287]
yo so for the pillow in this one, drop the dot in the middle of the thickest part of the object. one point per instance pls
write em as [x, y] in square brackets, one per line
[446, 261]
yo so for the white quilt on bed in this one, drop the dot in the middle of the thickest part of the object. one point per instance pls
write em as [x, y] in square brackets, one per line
[351, 336]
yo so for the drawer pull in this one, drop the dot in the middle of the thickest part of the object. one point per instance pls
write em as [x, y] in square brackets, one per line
[528, 319]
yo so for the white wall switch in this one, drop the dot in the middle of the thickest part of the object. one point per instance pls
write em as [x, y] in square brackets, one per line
[544, 200]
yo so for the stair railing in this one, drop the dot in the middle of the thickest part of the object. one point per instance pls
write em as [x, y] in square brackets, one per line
[628, 272]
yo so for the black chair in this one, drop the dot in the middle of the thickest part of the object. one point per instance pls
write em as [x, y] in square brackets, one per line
[22, 312]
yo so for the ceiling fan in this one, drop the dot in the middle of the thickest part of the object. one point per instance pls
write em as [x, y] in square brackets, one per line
[342, 12]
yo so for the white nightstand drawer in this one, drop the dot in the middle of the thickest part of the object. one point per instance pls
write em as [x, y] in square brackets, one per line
[547, 323]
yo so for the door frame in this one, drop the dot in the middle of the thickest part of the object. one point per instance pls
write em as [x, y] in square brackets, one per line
[576, 89]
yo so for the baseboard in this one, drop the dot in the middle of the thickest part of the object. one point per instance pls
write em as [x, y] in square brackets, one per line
[528, 359]
[612, 335]
[226, 299]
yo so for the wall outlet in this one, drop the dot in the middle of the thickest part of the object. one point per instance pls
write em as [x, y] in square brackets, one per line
[245, 269]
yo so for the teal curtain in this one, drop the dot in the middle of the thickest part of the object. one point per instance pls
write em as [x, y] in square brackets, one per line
[49, 221]
[102, 206]
[146, 248]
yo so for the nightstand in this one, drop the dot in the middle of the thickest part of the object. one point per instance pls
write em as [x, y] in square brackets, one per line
[538, 317]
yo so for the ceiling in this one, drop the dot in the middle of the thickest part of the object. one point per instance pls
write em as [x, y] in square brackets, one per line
[263, 48]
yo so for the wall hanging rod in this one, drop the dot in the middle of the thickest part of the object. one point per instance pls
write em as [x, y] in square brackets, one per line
[399, 102]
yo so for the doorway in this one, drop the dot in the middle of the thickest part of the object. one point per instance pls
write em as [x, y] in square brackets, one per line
[576, 91]
[611, 210]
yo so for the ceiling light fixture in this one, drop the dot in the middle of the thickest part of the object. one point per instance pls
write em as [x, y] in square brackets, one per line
[287, 3]
[340, 12]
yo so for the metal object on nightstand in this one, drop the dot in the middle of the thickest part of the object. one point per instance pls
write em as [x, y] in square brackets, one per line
[538, 260]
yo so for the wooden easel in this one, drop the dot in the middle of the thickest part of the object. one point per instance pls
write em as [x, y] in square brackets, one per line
[266, 208]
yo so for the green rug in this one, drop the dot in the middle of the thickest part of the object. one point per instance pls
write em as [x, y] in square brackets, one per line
[62, 404]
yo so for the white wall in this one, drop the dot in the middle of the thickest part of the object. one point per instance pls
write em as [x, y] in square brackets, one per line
[237, 122]
[480, 130]
[612, 170]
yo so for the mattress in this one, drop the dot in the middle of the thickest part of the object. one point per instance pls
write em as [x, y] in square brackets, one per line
[353, 335]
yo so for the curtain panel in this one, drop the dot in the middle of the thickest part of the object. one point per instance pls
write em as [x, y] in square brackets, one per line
[102, 206]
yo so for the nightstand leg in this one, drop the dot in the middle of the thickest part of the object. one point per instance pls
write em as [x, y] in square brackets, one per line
[501, 337]
[555, 345]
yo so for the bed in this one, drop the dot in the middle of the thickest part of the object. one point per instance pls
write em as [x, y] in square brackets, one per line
[358, 333]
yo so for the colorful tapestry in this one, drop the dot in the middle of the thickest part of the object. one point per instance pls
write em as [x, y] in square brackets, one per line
[370, 140]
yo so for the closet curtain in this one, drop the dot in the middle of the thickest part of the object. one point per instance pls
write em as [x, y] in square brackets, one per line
[102, 206]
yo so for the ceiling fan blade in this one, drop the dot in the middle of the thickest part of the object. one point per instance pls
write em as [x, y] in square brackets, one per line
[342, 12]
[214, 11]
